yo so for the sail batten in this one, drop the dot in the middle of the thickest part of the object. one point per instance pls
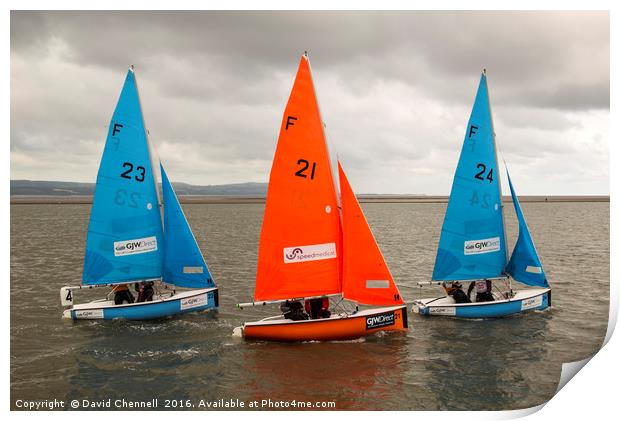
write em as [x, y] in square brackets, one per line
[300, 242]
[184, 264]
[473, 242]
[124, 240]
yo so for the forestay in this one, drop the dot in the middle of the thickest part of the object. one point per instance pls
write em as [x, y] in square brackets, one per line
[366, 277]
[473, 243]
[300, 238]
[524, 264]
[184, 264]
[124, 240]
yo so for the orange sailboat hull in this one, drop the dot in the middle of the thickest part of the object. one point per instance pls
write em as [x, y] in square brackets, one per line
[336, 328]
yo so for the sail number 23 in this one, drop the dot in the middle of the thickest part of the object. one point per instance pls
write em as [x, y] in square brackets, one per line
[128, 167]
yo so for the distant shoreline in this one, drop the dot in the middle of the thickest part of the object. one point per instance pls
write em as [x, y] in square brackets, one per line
[75, 200]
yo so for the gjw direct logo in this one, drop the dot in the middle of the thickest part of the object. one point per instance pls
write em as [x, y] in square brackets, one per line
[380, 320]
[486, 245]
[308, 253]
[192, 302]
[139, 245]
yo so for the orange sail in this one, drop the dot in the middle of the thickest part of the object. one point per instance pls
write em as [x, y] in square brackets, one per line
[366, 277]
[300, 242]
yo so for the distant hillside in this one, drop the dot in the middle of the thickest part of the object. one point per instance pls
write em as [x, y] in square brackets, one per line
[67, 188]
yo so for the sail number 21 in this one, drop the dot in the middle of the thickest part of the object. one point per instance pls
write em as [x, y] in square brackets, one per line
[304, 167]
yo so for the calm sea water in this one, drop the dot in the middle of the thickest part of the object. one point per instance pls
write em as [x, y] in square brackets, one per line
[506, 363]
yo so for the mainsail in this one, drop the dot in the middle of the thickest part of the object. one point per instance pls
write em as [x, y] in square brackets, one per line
[300, 240]
[124, 240]
[524, 264]
[184, 264]
[366, 277]
[473, 241]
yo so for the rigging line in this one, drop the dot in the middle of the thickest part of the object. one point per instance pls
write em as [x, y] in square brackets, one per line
[501, 154]
[338, 304]
[499, 291]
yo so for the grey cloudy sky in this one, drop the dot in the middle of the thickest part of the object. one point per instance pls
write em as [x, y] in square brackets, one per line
[395, 89]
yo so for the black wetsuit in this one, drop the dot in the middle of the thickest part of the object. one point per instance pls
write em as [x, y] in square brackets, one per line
[459, 296]
[317, 310]
[122, 296]
[293, 310]
[145, 291]
[482, 297]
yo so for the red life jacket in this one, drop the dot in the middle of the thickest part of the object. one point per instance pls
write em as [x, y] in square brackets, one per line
[324, 304]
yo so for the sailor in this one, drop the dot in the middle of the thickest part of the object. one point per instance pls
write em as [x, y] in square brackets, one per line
[145, 291]
[483, 290]
[455, 290]
[318, 308]
[122, 294]
[293, 310]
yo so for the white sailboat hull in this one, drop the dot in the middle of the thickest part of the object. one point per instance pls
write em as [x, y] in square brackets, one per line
[524, 300]
[163, 305]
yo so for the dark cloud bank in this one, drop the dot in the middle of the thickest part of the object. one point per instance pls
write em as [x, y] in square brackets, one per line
[395, 90]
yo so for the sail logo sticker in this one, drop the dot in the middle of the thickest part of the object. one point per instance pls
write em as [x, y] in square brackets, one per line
[192, 302]
[89, 314]
[380, 320]
[137, 246]
[531, 303]
[309, 253]
[442, 311]
[487, 245]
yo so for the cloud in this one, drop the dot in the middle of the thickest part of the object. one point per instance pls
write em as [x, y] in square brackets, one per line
[395, 90]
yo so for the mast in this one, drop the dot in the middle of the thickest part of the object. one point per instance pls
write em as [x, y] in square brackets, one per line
[154, 167]
[332, 164]
[335, 180]
[499, 178]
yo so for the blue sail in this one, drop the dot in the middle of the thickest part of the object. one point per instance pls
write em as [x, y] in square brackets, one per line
[524, 264]
[184, 265]
[124, 241]
[473, 242]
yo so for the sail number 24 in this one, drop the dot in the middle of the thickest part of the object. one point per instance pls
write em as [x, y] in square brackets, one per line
[480, 175]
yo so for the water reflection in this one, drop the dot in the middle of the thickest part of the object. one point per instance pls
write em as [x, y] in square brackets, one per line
[362, 374]
[479, 364]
